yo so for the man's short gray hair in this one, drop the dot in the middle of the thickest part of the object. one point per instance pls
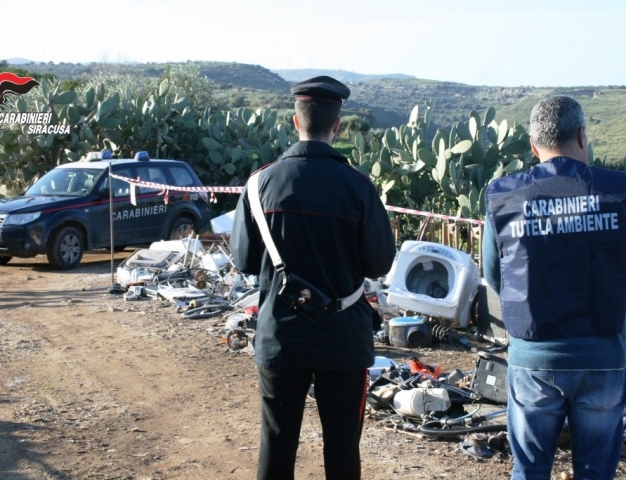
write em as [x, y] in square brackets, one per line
[554, 121]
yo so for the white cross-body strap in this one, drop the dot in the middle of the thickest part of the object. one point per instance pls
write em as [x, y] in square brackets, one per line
[257, 211]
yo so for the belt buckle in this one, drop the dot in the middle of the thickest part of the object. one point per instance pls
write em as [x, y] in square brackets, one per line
[337, 305]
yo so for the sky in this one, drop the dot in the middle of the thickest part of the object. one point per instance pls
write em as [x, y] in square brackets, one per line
[480, 42]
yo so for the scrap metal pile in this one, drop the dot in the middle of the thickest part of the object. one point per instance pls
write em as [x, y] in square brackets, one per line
[427, 299]
[201, 281]
[197, 276]
[425, 400]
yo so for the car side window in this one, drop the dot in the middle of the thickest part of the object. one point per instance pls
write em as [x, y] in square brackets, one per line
[182, 177]
[86, 182]
[151, 173]
[121, 188]
[81, 182]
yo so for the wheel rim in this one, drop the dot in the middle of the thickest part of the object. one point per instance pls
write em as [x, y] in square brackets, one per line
[70, 249]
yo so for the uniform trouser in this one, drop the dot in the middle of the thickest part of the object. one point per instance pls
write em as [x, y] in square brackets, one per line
[340, 400]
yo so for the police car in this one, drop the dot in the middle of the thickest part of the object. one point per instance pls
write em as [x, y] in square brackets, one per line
[67, 211]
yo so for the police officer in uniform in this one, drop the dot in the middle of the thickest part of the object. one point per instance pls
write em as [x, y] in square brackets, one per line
[330, 228]
[554, 249]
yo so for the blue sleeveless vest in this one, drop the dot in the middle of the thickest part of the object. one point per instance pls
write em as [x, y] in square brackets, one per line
[561, 233]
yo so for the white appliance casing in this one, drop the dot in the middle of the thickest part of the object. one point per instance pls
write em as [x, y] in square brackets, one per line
[436, 261]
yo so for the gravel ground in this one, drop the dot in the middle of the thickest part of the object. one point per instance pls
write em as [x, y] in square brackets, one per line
[96, 387]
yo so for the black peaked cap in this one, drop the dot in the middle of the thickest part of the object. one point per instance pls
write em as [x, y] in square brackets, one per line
[321, 88]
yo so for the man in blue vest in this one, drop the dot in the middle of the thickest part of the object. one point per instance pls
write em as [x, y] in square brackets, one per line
[555, 249]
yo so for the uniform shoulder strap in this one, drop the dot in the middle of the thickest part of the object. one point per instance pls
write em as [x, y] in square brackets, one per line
[257, 211]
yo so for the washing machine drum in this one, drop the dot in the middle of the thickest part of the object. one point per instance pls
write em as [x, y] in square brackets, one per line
[428, 278]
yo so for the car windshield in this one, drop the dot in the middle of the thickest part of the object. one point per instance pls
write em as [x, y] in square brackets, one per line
[66, 181]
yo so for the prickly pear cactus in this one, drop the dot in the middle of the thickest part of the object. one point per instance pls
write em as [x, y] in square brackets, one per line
[449, 173]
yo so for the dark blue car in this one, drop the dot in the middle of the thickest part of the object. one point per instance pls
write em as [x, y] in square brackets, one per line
[67, 211]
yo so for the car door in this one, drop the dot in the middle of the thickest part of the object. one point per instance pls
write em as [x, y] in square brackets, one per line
[183, 176]
[126, 224]
[151, 201]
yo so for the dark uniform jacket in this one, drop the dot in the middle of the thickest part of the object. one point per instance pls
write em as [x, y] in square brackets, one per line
[330, 228]
[561, 234]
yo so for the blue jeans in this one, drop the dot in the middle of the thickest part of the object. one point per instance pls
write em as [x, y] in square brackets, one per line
[540, 401]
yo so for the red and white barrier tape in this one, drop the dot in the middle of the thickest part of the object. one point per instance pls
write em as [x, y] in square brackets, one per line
[435, 215]
[212, 190]
[141, 183]
[165, 189]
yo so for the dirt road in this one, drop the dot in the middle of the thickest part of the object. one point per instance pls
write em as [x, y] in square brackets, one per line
[95, 387]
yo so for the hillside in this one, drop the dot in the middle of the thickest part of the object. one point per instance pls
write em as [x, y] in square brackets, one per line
[391, 101]
[390, 98]
[18, 61]
[225, 75]
[298, 75]
[243, 75]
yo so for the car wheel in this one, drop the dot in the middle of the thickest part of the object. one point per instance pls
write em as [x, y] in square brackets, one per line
[182, 228]
[66, 249]
[4, 260]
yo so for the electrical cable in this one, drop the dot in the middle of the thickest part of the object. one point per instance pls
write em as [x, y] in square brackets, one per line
[429, 428]
[462, 425]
